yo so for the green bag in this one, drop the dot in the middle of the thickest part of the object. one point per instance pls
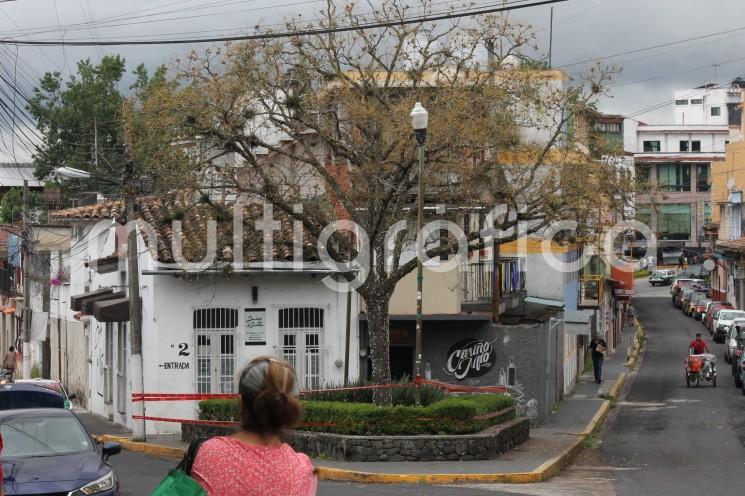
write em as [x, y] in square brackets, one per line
[178, 482]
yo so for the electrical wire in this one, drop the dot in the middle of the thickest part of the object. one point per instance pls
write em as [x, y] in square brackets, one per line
[285, 34]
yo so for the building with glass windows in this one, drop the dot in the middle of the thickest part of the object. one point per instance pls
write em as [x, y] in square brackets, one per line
[673, 166]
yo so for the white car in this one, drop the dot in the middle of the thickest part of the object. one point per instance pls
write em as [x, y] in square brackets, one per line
[723, 322]
[730, 343]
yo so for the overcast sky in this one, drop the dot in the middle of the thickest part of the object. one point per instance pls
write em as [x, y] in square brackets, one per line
[583, 29]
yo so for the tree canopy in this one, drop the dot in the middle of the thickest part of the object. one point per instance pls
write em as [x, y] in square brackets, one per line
[323, 120]
[82, 119]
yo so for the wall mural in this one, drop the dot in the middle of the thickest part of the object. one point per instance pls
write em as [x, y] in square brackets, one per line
[471, 358]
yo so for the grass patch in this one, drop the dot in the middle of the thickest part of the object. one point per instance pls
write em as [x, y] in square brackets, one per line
[641, 273]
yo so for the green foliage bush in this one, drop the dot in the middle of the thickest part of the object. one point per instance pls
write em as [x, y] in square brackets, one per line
[452, 415]
[403, 393]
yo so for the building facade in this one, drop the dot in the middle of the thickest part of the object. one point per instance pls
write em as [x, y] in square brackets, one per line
[674, 166]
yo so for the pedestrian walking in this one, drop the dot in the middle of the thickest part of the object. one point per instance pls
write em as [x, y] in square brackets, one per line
[598, 348]
[9, 363]
[680, 262]
[255, 461]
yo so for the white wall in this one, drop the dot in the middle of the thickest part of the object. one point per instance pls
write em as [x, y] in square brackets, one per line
[168, 322]
[711, 142]
[168, 304]
[701, 113]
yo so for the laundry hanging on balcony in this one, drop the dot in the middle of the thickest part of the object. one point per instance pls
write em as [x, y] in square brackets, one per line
[512, 271]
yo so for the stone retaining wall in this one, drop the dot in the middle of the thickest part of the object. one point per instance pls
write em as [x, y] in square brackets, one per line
[485, 445]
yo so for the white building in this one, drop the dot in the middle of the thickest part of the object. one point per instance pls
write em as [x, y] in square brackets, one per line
[200, 323]
[711, 105]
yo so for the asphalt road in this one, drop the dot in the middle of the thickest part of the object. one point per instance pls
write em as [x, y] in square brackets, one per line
[671, 439]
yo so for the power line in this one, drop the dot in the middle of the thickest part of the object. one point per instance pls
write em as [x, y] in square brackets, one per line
[283, 34]
[653, 47]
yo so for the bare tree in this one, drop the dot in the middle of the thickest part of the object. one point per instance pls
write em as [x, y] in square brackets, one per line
[323, 120]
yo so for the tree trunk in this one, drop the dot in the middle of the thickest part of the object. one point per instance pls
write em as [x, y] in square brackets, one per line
[380, 341]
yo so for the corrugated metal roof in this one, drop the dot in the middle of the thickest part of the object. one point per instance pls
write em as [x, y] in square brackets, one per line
[12, 174]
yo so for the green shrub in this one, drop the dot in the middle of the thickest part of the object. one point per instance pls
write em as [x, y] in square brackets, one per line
[403, 393]
[219, 410]
[452, 415]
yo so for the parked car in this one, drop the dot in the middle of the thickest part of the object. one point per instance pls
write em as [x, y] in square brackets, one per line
[684, 298]
[700, 309]
[681, 284]
[688, 296]
[730, 343]
[48, 451]
[724, 320]
[15, 396]
[712, 312]
[662, 277]
[737, 361]
[52, 384]
[693, 303]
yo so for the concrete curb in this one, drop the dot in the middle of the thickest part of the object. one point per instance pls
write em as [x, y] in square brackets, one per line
[549, 469]
[146, 448]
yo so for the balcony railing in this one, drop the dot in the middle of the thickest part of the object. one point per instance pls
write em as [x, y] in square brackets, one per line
[478, 279]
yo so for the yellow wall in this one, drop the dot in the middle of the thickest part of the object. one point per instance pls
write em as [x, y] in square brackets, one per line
[441, 293]
[732, 167]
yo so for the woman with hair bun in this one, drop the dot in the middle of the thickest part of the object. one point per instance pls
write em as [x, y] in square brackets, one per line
[255, 461]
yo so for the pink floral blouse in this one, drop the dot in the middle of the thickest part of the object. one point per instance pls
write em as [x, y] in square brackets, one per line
[226, 466]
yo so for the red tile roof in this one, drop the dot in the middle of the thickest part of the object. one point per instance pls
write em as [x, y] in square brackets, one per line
[194, 212]
[733, 244]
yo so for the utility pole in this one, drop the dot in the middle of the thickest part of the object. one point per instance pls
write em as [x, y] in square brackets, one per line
[135, 308]
[26, 240]
[551, 39]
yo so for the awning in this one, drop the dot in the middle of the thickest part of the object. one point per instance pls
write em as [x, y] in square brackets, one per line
[104, 265]
[76, 302]
[111, 310]
[545, 301]
[87, 306]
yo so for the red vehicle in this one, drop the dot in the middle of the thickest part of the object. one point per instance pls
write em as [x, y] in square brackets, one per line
[712, 312]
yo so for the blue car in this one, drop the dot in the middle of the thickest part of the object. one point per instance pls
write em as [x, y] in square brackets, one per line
[48, 451]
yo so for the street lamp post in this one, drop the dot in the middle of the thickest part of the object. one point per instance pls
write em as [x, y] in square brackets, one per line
[419, 119]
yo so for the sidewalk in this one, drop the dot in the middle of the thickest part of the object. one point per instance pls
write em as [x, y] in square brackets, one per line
[550, 448]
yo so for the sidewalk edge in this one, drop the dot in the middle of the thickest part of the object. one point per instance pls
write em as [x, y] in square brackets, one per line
[146, 448]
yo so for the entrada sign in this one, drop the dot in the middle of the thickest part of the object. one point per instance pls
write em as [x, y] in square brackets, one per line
[470, 358]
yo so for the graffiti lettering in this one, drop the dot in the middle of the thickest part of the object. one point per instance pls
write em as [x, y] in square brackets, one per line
[470, 358]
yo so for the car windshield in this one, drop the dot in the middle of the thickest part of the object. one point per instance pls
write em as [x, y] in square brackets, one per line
[43, 436]
[730, 315]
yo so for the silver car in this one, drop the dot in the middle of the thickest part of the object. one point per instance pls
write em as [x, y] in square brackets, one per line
[730, 342]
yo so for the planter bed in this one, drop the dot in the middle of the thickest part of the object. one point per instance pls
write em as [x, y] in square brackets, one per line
[485, 445]
[465, 427]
